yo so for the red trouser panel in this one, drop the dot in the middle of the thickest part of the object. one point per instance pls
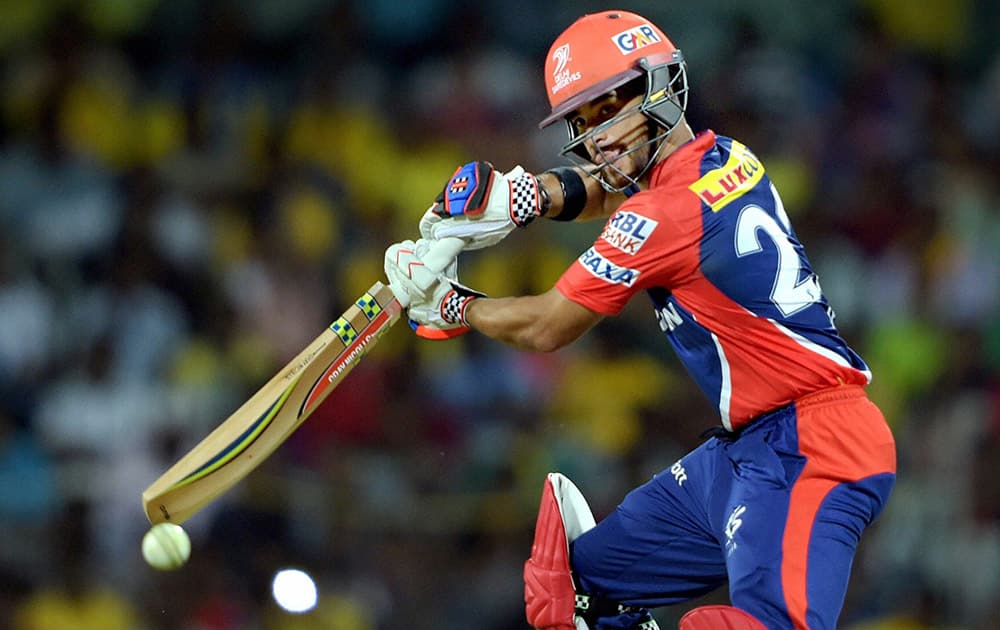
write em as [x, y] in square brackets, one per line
[842, 444]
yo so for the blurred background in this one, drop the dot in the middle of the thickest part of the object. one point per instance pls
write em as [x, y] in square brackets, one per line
[191, 190]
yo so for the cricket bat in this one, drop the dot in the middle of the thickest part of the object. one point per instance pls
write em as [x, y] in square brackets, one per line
[238, 445]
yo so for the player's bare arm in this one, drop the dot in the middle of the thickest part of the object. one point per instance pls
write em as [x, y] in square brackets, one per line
[541, 323]
[441, 307]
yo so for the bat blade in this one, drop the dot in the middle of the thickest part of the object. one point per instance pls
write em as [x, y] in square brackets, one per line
[264, 422]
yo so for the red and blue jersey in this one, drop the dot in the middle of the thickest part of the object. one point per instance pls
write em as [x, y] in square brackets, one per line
[711, 244]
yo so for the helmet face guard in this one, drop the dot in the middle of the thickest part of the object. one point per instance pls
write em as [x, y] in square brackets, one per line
[664, 105]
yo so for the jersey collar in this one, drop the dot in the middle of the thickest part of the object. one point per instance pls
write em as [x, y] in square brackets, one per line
[689, 151]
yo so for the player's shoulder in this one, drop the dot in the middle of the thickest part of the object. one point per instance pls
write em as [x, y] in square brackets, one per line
[659, 212]
[728, 171]
[728, 146]
[688, 161]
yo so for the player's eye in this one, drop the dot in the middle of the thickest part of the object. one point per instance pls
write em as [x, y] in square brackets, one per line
[603, 113]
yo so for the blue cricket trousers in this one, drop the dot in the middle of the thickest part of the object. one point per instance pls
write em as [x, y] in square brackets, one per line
[776, 511]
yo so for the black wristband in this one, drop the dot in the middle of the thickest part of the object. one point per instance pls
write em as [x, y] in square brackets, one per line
[574, 193]
[544, 199]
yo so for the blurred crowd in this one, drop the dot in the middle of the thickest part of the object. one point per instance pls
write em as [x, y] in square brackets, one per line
[190, 191]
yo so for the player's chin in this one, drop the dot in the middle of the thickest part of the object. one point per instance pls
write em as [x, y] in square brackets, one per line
[618, 174]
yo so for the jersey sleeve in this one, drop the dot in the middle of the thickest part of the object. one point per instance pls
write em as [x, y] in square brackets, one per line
[642, 245]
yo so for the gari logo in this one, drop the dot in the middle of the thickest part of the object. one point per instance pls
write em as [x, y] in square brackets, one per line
[561, 77]
[635, 38]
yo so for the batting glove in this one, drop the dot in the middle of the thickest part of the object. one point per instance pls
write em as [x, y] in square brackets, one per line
[482, 205]
[437, 300]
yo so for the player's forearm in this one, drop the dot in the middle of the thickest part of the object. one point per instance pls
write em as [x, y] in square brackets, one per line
[517, 321]
[513, 321]
[600, 203]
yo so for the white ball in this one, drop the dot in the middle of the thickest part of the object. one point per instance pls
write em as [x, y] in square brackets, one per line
[166, 546]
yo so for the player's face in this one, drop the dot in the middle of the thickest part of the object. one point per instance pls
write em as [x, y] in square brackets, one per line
[608, 147]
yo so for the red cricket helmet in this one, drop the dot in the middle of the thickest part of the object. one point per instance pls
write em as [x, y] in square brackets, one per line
[599, 52]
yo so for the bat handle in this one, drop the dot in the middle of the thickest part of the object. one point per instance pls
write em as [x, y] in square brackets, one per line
[439, 256]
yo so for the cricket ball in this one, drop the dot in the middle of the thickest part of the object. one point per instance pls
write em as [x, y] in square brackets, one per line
[166, 546]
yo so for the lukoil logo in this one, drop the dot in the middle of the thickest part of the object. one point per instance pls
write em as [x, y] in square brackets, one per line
[561, 76]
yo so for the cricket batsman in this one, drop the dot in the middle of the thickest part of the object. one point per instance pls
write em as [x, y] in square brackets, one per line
[774, 503]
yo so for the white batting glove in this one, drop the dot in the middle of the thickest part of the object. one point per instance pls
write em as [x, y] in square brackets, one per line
[437, 300]
[482, 205]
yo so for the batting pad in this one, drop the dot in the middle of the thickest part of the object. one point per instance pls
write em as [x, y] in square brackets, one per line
[550, 595]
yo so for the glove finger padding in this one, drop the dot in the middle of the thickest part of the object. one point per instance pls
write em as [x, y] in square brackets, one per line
[482, 205]
[407, 272]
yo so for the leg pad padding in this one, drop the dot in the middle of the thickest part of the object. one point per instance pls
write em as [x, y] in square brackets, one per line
[549, 592]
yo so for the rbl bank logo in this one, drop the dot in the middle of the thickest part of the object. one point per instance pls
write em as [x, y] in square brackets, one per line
[628, 231]
[635, 38]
